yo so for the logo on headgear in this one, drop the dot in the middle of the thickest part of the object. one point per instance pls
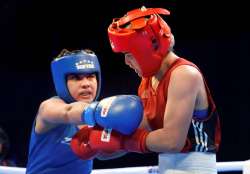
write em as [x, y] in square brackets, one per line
[85, 64]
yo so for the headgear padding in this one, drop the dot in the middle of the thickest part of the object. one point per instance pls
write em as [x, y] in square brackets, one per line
[81, 62]
[144, 34]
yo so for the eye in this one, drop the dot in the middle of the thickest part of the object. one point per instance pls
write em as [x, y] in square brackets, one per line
[73, 77]
[128, 56]
[91, 76]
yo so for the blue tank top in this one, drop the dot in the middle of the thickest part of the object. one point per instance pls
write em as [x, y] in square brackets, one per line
[50, 153]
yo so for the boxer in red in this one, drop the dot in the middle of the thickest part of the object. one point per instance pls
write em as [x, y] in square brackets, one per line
[180, 120]
[179, 111]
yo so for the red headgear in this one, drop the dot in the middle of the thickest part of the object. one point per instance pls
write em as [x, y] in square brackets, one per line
[144, 34]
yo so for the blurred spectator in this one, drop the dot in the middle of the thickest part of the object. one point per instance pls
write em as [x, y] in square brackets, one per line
[4, 150]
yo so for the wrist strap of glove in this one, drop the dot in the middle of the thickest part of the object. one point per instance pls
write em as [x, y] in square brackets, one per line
[137, 141]
[88, 115]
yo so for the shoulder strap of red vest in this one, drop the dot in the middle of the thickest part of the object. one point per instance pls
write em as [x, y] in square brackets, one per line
[182, 61]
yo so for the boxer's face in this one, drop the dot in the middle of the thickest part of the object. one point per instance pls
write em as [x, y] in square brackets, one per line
[82, 87]
[132, 63]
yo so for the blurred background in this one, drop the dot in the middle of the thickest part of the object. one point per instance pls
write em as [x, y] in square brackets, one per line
[212, 34]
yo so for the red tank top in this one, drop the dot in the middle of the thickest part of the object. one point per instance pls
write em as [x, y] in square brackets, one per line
[154, 103]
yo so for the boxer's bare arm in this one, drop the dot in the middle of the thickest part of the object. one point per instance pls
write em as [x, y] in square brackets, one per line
[55, 111]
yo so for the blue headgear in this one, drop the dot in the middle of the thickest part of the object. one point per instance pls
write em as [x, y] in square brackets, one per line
[76, 62]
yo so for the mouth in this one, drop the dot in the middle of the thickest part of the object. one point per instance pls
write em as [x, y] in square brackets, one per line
[85, 94]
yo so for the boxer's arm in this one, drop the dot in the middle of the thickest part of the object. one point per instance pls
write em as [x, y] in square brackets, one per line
[122, 113]
[183, 89]
[55, 111]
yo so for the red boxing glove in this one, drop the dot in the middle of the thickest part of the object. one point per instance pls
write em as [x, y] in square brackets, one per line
[111, 141]
[79, 144]
[88, 143]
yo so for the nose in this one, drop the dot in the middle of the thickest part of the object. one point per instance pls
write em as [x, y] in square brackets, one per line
[85, 82]
[128, 59]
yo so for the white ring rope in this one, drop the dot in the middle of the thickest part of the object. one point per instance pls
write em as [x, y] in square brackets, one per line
[243, 166]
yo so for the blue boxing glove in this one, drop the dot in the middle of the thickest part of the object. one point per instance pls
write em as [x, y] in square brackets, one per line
[122, 113]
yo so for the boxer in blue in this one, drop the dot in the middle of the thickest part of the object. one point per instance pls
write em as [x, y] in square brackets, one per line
[77, 79]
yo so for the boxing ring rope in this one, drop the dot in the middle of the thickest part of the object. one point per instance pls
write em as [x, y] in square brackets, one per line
[232, 166]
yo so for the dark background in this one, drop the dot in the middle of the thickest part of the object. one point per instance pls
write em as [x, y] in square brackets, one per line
[213, 35]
